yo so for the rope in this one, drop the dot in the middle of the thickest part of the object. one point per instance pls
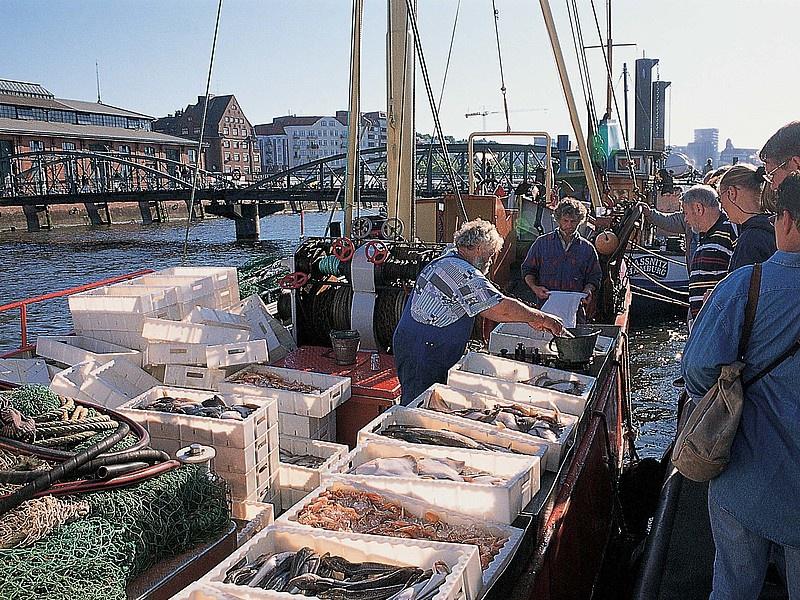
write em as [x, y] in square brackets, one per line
[434, 111]
[202, 135]
[656, 296]
[636, 190]
[500, 61]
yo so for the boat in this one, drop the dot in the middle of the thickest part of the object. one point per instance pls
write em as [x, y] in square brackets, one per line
[350, 284]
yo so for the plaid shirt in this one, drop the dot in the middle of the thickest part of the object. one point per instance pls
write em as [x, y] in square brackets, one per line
[560, 269]
[450, 288]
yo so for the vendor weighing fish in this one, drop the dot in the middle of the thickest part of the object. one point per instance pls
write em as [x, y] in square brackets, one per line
[449, 293]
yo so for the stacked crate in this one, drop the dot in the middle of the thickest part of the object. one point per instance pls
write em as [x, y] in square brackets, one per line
[297, 481]
[246, 451]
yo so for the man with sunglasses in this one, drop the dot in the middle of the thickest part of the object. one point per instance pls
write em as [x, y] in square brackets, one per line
[754, 504]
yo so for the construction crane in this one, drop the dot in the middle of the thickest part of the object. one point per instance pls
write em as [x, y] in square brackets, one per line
[483, 113]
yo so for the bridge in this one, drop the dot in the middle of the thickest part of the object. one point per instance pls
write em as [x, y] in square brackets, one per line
[36, 180]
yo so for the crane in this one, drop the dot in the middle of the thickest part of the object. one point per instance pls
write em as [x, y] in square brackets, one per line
[483, 113]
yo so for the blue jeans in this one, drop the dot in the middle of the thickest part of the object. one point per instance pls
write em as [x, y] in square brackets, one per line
[741, 559]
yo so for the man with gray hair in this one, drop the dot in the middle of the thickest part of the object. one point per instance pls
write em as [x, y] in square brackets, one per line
[711, 258]
[449, 293]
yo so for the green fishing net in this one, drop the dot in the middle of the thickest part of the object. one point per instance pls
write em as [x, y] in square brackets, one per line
[260, 276]
[33, 400]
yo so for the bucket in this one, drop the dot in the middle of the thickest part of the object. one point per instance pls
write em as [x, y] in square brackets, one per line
[345, 345]
[577, 349]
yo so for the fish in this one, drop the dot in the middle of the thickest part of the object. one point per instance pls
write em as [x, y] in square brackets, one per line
[437, 437]
[268, 567]
[426, 468]
[271, 380]
[567, 386]
[300, 460]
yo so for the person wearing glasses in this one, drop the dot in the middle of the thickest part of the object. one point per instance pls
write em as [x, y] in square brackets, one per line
[754, 504]
[740, 196]
[781, 154]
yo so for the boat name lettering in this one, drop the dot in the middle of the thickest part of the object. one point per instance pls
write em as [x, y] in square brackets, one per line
[653, 265]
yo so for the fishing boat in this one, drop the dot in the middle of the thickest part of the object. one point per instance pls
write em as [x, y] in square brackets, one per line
[347, 283]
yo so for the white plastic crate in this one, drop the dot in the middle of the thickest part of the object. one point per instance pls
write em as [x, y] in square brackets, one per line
[126, 299]
[423, 510]
[203, 430]
[204, 591]
[307, 478]
[480, 432]
[126, 339]
[521, 473]
[459, 399]
[265, 326]
[242, 460]
[110, 384]
[322, 428]
[223, 277]
[163, 330]
[68, 382]
[24, 371]
[259, 483]
[174, 353]
[258, 515]
[508, 335]
[73, 349]
[508, 379]
[334, 391]
[198, 378]
[463, 582]
[186, 289]
[291, 496]
[211, 316]
[239, 353]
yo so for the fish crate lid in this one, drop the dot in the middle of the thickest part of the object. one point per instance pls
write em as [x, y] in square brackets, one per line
[382, 383]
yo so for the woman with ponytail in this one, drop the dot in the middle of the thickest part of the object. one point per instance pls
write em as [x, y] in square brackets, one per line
[740, 196]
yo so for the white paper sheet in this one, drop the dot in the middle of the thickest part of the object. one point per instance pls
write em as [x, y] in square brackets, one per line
[564, 305]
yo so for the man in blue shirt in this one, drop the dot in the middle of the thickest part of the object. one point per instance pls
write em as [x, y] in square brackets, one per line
[755, 502]
[563, 260]
[449, 293]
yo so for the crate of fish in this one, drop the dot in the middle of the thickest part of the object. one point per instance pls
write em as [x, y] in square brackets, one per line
[303, 459]
[452, 478]
[188, 376]
[322, 428]
[72, 349]
[283, 557]
[552, 427]
[215, 419]
[165, 330]
[400, 424]
[358, 508]
[521, 382]
[298, 392]
[240, 353]
[507, 336]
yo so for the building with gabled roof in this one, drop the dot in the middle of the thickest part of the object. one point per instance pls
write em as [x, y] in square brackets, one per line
[232, 144]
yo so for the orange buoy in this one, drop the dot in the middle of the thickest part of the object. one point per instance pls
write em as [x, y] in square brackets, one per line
[606, 242]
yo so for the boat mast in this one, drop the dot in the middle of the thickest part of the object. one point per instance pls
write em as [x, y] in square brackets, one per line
[591, 180]
[609, 87]
[400, 124]
[625, 84]
[353, 118]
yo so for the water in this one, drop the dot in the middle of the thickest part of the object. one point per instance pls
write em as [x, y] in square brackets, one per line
[37, 263]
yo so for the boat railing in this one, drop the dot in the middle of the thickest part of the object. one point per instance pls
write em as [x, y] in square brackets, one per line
[22, 305]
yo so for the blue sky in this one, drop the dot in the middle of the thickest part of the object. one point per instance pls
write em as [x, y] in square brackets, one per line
[731, 61]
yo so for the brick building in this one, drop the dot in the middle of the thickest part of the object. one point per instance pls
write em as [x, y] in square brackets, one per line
[33, 119]
[232, 145]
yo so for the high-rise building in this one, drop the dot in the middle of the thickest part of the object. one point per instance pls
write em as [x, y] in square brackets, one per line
[704, 146]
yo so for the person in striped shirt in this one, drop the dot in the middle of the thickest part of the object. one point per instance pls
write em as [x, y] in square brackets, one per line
[711, 258]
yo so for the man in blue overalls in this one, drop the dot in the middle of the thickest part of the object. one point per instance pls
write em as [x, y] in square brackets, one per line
[449, 293]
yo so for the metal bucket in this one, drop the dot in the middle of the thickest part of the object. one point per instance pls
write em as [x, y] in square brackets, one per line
[345, 345]
[578, 349]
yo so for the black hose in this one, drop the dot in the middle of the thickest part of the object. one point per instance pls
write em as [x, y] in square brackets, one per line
[48, 478]
[107, 472]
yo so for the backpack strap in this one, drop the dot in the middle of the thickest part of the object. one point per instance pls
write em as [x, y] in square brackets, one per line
[750, 309]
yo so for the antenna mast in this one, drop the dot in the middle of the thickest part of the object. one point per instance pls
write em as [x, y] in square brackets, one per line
[97, 75]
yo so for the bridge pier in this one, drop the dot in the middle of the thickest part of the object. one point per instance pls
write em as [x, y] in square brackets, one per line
[248, 226]
[31, 212]
[93, 210]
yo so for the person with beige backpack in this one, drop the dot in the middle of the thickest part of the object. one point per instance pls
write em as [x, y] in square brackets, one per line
[741, 367]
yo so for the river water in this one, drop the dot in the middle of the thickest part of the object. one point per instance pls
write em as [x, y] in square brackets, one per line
[37, 263]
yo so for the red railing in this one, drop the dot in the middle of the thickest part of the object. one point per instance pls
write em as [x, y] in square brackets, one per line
[22, 305]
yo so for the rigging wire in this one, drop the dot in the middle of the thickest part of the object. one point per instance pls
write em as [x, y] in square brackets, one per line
[636, 190]
[202, 134]
[500, 61]
[577, 55]
[434, 111]
[585, 63]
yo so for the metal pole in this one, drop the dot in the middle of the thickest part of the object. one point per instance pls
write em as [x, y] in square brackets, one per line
[353, 118]
[625, 83]
[583, 149]
[609, 88]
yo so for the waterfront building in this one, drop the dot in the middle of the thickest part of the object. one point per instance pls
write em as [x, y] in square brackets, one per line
[732, 155]
[232, 144]
[291, 140]
[32, 119]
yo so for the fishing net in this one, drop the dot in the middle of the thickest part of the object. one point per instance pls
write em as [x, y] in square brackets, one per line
[260, 276]
[34, 519]
[33, 400]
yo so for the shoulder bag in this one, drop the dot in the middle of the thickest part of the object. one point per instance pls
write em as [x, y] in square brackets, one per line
[702, 450]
